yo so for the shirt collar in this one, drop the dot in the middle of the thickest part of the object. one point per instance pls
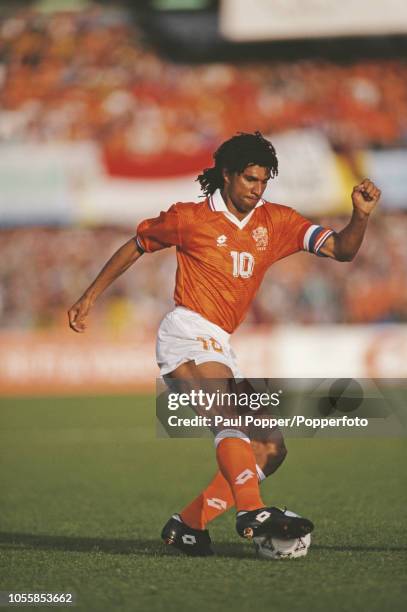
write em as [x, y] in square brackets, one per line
[217, 204]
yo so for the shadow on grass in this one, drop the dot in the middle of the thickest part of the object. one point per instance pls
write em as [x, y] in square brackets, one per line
[30, 541]
[80, 544]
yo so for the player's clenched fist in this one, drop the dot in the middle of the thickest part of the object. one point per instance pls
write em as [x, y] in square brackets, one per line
[365, 196]
[78, 313]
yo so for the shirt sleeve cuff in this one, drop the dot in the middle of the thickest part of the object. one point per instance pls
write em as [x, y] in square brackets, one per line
[315, 237]
[139, 245]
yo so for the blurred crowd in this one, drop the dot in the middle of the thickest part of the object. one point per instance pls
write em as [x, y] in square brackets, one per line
[43, 271]
[89, 76]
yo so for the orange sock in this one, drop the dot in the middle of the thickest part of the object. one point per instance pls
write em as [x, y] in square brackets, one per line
[238, 465]
[213, 501]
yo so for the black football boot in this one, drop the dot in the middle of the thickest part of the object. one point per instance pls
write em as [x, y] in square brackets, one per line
[193, 542]
[272, 521]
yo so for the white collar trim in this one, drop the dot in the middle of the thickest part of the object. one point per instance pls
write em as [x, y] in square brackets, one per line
[217, 204]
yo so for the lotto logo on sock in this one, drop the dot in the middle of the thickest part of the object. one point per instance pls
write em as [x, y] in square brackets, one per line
[244, 477]
[217, 503]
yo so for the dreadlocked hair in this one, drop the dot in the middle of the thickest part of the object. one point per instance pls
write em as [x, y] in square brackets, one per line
[234, 155]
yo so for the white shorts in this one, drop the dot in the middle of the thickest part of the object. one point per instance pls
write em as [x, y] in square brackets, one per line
[184, 336]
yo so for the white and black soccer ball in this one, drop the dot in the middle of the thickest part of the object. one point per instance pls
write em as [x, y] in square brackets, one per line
[269, 547]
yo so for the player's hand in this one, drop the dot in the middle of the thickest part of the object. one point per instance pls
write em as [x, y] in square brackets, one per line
[365, 196]
[78, 314]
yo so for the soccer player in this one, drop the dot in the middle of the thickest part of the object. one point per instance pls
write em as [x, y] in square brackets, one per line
[224, 245]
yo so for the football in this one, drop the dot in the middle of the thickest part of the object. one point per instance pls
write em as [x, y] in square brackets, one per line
[269, 547]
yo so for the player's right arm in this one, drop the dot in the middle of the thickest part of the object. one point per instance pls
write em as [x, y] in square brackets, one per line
[124, 257]
[152, 235]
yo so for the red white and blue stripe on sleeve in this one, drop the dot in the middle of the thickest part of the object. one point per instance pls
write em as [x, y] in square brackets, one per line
[314, 238]
[139, 245]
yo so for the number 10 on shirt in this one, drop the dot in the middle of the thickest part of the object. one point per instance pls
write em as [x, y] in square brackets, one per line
[243, 264]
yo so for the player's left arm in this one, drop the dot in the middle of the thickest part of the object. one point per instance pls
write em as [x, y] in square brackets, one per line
[344, 245]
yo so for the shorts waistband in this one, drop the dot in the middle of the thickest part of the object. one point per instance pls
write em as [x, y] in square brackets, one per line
[218, 331]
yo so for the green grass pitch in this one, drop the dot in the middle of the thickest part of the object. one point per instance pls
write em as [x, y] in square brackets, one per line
[86, 487]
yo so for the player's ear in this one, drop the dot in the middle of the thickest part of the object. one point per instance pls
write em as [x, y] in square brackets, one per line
[226, 176]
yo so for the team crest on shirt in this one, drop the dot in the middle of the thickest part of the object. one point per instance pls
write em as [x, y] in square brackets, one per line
[221, 240]
[261, 237]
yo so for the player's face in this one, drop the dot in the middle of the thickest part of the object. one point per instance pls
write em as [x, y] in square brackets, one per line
[243, 191]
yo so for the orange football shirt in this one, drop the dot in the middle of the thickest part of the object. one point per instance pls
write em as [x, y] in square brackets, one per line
[221, 260]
